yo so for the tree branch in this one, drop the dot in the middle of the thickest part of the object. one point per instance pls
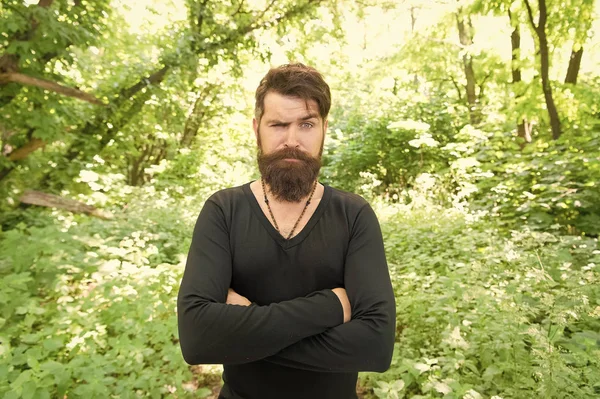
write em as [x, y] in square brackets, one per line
[155, 77]
[55, 201]
[26, 80]
[239, 9]
[455, 83]
[543, 14]
[201, 16]
[482, 86]
[22, 152]
[530, 14]
[262, 14]
[485, 78]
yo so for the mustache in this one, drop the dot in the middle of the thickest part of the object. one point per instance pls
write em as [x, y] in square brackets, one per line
[287, 153]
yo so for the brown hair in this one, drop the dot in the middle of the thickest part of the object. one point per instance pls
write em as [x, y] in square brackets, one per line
[294, 80]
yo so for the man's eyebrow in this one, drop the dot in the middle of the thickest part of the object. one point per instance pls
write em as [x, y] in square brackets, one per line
[276, 122]
[309, 116]
[280, 122]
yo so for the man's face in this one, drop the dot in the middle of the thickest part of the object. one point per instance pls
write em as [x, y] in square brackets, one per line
[290, 122]
[290, 143]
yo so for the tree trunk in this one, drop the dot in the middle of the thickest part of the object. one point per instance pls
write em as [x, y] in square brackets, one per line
[540, 30]
[574, 65]
[200, 112]
[515, 43]
[55, 201]
[192, 123]
[21, 153]
[523, 128]
[150, 154]
[550, 104]
[582, 23]
[465, 32]
[26, 80]
[413, 23]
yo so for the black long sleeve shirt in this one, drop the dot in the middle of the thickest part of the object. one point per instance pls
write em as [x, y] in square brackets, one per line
[292, 342]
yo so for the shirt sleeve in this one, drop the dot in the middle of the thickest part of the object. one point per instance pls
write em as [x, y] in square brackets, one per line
[365, 343]
[212, 332]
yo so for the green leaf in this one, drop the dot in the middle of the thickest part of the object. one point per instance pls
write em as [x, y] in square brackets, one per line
[30, 338]
[24, 377]
[32, 362]
[41, 393]
[29, 388]
[491, 372]
[11, 395]
[52, 344]
[203, 392]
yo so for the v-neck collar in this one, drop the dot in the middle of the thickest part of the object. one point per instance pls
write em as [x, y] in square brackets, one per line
[298, 238]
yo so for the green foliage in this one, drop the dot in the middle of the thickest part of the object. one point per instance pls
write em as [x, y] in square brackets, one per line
[492, 242]
[146, 71]
[211, 164]
[382, 154]
[483, 314]
[548, 185]
[88, 307]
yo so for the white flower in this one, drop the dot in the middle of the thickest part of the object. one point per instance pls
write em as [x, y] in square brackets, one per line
[421, 367]
[442, 387]
[409, 125]
[424, 140]
[455, 340]
[472, 394]
[88, 176]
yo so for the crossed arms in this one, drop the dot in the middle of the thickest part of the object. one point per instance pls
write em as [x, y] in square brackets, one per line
[307, 333]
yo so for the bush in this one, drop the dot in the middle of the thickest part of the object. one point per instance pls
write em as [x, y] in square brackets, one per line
[549, 183]
[484, 314]
[89, 306]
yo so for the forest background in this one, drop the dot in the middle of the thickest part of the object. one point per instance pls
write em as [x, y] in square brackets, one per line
[471, 126]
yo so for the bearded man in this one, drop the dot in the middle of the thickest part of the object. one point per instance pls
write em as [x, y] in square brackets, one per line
[286, 282]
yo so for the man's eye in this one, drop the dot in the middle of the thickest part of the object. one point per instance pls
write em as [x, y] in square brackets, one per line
[307, 125]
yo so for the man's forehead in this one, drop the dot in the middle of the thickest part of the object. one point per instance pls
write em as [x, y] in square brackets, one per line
[279, 105]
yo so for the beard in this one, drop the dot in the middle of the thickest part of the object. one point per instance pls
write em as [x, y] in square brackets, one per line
[289, 181]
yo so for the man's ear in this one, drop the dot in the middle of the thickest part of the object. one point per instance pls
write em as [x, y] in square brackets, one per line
[255, 127]
[325, 125]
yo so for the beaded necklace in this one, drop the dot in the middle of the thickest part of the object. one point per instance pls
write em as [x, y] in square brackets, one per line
[273, 217]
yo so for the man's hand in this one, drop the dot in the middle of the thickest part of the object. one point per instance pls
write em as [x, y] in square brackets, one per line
[343, 297]
[233, 298]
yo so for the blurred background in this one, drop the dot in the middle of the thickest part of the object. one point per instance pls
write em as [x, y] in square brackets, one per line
[472, 127]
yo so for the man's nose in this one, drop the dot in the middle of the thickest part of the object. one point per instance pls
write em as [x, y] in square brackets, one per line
[292, 136]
